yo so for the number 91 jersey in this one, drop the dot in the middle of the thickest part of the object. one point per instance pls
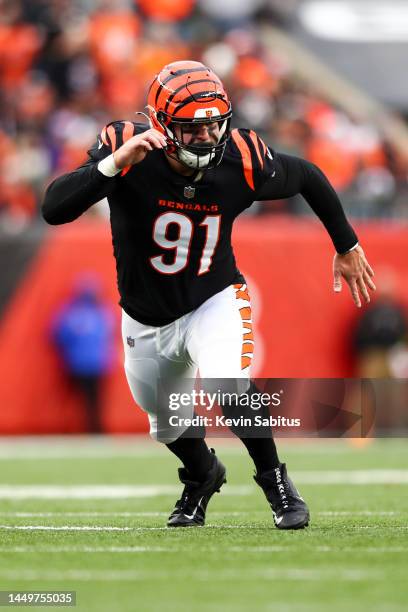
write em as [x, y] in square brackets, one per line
[171, 233]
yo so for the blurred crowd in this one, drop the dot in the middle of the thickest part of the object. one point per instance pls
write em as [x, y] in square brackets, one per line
[69, 67]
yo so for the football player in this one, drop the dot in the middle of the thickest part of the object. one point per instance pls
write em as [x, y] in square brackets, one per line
[174, 189]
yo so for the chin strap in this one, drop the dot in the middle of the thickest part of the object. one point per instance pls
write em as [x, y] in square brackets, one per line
[193, 160]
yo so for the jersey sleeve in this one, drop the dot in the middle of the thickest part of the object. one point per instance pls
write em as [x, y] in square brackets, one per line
[71, 194]
[294, 175]
[256, 157]
[113, 136]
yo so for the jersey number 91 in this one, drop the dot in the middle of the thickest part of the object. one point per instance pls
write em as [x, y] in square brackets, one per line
[182, 244]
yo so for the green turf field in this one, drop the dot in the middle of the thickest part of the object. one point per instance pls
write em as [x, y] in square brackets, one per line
[89, 515]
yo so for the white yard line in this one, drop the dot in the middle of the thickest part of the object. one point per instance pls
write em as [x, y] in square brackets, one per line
[88, 549]
[351, 477]
[395, 528]
[88, 514]
[110, 527]
[93, 491]
[316, 549]
[364, 550]
[359, 513]
[290, 574]
[65, 528]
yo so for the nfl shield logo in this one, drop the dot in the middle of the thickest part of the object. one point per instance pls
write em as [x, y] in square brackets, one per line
[189, 192]
[130, 341]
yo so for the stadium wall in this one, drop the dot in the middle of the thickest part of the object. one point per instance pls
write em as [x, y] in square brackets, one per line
[303, 329]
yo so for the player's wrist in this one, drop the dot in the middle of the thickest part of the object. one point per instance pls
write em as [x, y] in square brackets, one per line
[349, 250]
[108, 166]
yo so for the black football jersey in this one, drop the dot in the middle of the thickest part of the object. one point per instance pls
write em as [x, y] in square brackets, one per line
[171, 233]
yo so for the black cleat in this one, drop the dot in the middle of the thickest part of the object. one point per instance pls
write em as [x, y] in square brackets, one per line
[288, 508]
[190, 508]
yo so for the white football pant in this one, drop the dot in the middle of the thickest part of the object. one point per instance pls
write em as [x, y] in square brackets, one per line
[215, 340]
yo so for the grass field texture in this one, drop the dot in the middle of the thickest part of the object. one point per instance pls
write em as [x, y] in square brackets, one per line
[89, 515]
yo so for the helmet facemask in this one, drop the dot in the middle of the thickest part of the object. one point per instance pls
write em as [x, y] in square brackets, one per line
[196, 155]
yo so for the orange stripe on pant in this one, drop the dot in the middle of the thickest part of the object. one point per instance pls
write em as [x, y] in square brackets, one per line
[245, 313]
[245, 362]
[248, 335]
[241, 293]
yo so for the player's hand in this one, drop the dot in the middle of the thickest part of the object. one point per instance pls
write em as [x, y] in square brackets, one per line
[136, 148]
[356, 271]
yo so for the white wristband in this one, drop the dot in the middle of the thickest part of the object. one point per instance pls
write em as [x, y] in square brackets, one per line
[108, 167]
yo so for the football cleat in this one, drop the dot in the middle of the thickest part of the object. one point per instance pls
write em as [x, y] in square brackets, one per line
[190, 508]
[288, 508]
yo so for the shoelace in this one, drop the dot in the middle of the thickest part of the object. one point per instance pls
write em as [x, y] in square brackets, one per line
[286, 497]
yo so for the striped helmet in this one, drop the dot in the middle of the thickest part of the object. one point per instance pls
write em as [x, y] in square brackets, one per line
[186, 93]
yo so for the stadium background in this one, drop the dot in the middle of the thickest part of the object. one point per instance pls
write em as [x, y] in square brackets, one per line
[68, 68]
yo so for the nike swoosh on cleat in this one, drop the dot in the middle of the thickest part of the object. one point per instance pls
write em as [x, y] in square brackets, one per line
[191, 516]
[277, 519]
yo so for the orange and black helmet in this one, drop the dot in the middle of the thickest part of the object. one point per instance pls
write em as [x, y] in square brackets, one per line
[186, 93]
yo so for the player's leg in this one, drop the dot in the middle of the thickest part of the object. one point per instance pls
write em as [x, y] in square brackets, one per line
[221, 343]
[157, 366]
[155, 362]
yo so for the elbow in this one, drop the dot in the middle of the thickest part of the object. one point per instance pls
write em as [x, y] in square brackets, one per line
[46, 207]
[48, 215]
[49, 207]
